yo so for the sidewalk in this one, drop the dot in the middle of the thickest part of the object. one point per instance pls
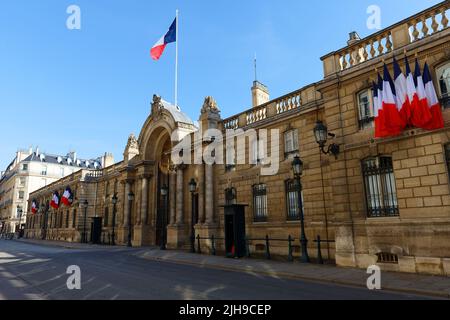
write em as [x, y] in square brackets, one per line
[391, 281]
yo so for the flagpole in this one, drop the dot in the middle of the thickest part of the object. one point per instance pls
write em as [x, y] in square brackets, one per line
[176, 62]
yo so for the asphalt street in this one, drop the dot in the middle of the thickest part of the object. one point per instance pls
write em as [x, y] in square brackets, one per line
[29, 271]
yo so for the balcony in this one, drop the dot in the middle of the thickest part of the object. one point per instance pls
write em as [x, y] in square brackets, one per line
[411, 30]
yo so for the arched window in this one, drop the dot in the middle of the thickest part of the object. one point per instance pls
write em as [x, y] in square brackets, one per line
[365, 109]
[443, 76]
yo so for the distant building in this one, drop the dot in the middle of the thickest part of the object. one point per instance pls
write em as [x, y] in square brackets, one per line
[31, 170]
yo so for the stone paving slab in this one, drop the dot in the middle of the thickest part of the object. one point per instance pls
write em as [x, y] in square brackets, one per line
[391, 281]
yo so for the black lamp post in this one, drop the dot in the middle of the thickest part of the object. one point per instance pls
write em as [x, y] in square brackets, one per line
[297, 168]
[192, 189]
[321, 134]
[20, 211]
[84, 205]
[130, 203]
[164, 192]
[113, 235]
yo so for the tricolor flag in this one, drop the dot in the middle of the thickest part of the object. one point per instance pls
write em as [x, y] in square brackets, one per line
[55, 200]
[391, 116]
[436, 122]
[420, 113]
[401, 95]
[34, 207]
[67, 197]
[380, 128]
[169, 37]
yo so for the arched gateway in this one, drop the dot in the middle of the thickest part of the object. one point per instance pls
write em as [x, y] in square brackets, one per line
[150, 171]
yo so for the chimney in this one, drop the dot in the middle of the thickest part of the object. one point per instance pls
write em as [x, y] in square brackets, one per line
[260, 94]
[107, 160]
[353, 38]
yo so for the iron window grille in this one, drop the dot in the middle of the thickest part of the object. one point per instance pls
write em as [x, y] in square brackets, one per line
[384, 257]
[365, 109]
[379, 183]
[260, 203]
[292, 192]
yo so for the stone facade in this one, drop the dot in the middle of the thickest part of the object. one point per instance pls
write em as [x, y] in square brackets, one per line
[413, 237]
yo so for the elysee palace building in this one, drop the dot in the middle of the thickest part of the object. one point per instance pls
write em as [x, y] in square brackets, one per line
[381, 201]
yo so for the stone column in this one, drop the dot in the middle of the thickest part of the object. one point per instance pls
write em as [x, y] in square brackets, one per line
[201, 193]
[172, 195]
[125, 204]
[179, 196]
[144, 200]
[209, 194]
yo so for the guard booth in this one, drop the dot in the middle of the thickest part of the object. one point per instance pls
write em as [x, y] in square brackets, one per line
[235, 230]
[96, 230]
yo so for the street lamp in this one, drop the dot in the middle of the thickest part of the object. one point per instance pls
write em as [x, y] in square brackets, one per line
[192, 189]
[130, 203]
[297, 168]
[84, 205]
[114, 202]
[20, 211]
[164, 192]
[321, 134]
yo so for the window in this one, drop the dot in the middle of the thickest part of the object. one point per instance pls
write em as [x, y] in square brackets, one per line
[25, 167]
[292, 189]
[379, 182]
[365, 109]
[21, 195]
[257, 150]
[260, 203]
[44, 171]
[443, 75]
[290, 142]
[67, 219]
[385, 257]
[22, 181]
[74, 218]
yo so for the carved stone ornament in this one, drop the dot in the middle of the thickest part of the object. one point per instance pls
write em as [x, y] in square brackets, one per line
[157, 106]
[210, 105]
[132, 142]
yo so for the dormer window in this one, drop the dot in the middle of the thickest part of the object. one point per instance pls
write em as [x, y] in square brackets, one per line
[59, 159]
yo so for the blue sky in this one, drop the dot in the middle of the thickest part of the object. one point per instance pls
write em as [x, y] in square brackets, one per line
[88, 89]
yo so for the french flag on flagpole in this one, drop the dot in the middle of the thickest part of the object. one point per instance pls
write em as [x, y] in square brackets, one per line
[34, 207]
[67, 197]
[380, 128]
[391, 116]
[437, 121]
[55, 200]
[401, 96]
[421, 114]
[171, 36]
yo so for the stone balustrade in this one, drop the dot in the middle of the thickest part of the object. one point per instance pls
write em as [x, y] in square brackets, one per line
[288, 103]
[410, 30]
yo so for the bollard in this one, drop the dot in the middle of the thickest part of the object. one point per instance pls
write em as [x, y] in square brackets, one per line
[290, 257]
[267, 248]
[319, 251]
[213, 246]
[198, 245]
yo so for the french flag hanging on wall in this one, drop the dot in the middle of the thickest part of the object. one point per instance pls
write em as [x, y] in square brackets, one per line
[391, 116]
[55, 200]
[437, 121]
[169, 37]
[403, 105]
[67, 197]
[34, 207]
